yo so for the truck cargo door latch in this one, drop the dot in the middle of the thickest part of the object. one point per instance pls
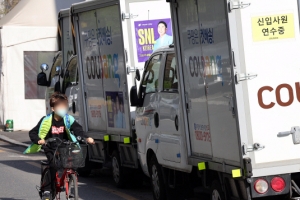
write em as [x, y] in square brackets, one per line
[244, 77]
[233, 5]
[128, 16]
[251, 148]
[132, 69]
[295, 132]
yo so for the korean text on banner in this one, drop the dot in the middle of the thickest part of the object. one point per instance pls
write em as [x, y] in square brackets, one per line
[273, 27]
[151, 35]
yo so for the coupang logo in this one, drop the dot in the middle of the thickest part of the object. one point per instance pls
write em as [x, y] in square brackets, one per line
[101, 66]
[202, 66]
[277, 95]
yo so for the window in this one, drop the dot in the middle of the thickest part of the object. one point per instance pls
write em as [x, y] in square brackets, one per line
[71, 75]
[32, 63]
[151, 75]
[170, 74]
[54, 75]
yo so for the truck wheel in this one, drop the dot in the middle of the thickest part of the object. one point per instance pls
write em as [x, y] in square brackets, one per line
[158, 187]
[118, 170]
[216, 192]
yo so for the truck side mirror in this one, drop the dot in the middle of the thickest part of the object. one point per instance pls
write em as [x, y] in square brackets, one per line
[44, 67]
[134, 100]
[42, 79]
[137, 75]
[57, 69]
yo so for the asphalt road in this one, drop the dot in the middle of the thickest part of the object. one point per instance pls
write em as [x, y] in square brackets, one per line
[20, 174]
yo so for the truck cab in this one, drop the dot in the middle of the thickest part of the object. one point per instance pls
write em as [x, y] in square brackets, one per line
[70, 87]
[54, 82]
[158, 114]
[51, 79]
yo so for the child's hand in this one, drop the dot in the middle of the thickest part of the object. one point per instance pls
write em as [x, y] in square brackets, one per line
[90, 140]
[41, 142]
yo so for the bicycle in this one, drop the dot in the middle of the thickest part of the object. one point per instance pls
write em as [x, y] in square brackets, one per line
[68, 157]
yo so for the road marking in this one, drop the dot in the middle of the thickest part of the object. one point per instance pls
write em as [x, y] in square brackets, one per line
[34, 164]
[17, 156]
[120, 194]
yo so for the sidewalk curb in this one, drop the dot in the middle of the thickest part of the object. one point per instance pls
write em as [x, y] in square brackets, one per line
[15, 142]
[6, 139]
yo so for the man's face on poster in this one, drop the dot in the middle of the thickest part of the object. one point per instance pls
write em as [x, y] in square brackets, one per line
[162, 29]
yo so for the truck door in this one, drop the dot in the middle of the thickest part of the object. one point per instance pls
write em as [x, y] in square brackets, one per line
[264, 40]
[102, 63]
[208, 80]
[216, 62]
[148, 112]
[92, 71]
[169, 145]
[71, 89]
[194, 79]
[115, 84]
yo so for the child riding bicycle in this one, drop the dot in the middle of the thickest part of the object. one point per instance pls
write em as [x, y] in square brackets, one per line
[56, 125]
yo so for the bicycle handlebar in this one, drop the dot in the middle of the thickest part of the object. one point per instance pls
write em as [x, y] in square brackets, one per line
[79, 139]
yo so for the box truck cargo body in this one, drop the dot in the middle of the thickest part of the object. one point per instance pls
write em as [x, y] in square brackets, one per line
[102, 31]
[235, 102]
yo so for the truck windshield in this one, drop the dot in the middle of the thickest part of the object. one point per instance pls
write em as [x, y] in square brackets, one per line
[54, 74]
[71, 75]
[170, 74]
[150, 81]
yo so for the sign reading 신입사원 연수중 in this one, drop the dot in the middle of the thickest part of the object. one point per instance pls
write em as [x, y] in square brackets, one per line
[273, 27]
[151, 35]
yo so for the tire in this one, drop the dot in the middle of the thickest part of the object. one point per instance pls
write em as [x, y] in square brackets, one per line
[73, 187]
[216, 192]
[118, 170]
[157, 181]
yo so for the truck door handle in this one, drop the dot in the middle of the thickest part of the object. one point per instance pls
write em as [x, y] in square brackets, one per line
[176, 122]
[74, 107]
[156, 119]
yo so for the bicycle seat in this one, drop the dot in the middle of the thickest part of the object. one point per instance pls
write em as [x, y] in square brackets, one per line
[45, 162]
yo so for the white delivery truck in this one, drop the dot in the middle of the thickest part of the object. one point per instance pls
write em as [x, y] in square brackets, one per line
[65, 43]
[218, 109]
[103, 32]
[64, 75]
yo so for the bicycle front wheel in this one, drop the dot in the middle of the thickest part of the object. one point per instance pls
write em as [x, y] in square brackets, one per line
[73, 188]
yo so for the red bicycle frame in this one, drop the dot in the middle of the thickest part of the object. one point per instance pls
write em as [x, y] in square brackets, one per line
[63, 182]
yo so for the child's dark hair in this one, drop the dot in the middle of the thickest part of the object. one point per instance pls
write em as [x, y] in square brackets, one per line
[57, 98]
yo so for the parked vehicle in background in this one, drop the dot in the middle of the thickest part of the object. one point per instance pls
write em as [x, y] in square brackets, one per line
[62, 57]
[219, 129]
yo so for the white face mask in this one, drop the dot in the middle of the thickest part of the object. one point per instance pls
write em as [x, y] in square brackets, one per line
[61, 112]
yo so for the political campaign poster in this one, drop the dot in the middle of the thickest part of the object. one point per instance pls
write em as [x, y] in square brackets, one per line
[115, 110]
[151, 35]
